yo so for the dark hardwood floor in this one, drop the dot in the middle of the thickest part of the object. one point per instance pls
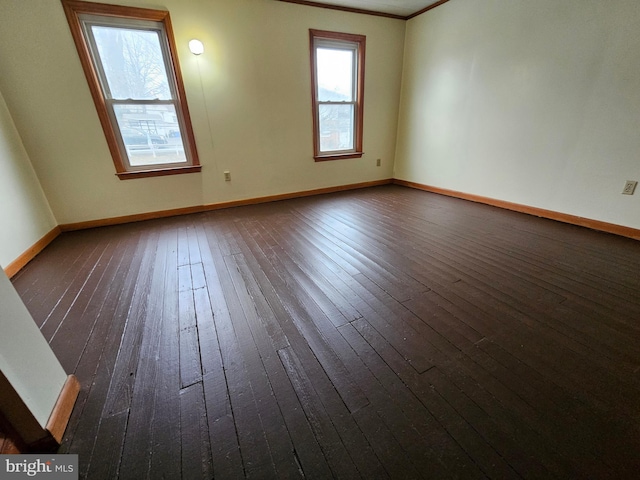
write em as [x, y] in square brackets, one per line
[383, 332]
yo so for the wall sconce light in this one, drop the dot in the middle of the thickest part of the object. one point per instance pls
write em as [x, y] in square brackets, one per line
[196, 47]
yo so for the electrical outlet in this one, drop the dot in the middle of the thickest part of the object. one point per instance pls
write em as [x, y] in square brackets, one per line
[629, 187]
[227, 176]
[378, 162]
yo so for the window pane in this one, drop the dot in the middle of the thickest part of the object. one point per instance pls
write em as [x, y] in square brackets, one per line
[336, 127]
[335, 75]
[150, 133]
[133, 63]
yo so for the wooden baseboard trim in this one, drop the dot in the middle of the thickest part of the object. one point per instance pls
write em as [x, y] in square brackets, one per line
[17, 265]
[215, 206]
[538, 212]
[20, 432]
[61, 412]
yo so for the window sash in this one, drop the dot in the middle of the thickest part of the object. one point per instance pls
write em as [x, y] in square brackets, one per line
[324, 44]
[336, 128]
[158, 151]
[337, 103]
[89, 21]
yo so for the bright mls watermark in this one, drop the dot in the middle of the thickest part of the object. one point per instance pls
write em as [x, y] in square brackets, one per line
[53, 467]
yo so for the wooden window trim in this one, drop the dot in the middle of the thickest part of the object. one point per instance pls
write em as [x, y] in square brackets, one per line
[73, 9]
[360, 40]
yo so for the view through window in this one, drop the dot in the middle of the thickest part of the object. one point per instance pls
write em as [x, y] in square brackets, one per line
[139, 92]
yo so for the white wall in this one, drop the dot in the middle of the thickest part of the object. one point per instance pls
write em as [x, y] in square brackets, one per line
[533, 102]
[25, 216]
[249, 96]
[26, 359]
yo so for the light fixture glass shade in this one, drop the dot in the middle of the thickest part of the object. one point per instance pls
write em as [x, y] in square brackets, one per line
[196, 47]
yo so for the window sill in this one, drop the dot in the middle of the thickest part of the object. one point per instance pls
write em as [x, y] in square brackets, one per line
[338, 156]
[158, 172]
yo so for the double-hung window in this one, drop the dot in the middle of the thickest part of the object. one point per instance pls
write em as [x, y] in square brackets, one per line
[130, 62]
[337, 73]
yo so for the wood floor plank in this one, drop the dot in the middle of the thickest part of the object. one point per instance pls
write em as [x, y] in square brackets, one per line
[47, 285]
[305, 313]
[432, 451]
[382, 253]
[78, 290]
[106, 310]
[212, 315]
[166, 413]
[190, 367]
[311, 458]
[194, 434]
[570, 359]
[70, 338]
[513, 441]
[483, 453]
[147, 372]
[105, 463]
[343, 465]
[95, 423]
[377, 333]
[527, 408]
[365, 458]
[377, 269]
[315, 292]
[243, 373]
[369, 424]
[258, 349]
[324, 280]
[121, 379]
[97, 362]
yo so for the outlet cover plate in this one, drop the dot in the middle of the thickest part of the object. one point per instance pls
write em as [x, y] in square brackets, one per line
[629, 187]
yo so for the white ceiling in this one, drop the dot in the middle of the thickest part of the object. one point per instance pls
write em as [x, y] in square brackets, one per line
[403, 8]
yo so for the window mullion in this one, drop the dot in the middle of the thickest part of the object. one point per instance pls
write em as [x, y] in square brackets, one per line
[329, 102]
[132, 101]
